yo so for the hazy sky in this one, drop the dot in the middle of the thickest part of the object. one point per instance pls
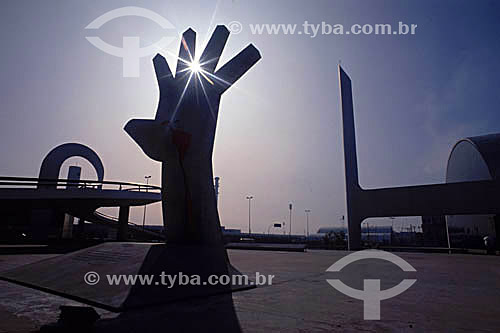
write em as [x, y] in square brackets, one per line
[279, 132]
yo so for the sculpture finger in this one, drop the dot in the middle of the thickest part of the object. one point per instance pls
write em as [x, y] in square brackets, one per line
[213, 50]
[186, 52]
[236, 67]
[162, 70]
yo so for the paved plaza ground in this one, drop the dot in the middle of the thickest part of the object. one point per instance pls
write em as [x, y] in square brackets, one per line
[453, 293]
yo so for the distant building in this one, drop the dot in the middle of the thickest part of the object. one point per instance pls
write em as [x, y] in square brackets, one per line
[230, 231]
[474, 158]
[231, 235]
[434, 230]
[369, 233]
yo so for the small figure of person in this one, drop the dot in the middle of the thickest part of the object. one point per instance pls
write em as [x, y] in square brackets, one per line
[489, 244]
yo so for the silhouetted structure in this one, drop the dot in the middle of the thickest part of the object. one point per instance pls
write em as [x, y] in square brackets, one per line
[474, 158]
[462, 198]
[182, 136]
[51, 164]
[39, 209]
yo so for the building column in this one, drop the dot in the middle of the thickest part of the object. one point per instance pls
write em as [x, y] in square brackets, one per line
[123, 223]
[81, 229]
[67, 232]
[354, 232]
[74, 173]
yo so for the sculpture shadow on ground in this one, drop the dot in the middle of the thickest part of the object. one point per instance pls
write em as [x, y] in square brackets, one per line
[210, 314]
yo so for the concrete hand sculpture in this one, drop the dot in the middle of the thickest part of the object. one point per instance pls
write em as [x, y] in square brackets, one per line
[182, 135]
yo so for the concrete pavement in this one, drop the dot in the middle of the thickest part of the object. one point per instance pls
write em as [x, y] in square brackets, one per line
[453, 293]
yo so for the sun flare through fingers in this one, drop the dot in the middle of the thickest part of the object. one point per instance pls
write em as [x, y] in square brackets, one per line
[194, 66]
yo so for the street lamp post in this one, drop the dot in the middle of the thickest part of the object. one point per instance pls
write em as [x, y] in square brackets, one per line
[290, 208]
[307, 221]
[392, 218]
[144, 216]
[249, 198]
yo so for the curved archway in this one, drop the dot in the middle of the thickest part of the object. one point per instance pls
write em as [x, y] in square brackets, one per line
[51, 164]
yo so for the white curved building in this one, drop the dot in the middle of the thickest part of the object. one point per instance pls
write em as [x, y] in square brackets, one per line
[474, 158]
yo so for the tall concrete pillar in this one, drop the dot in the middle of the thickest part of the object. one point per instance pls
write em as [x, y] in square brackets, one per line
[123, 223]
[352, 188]
[74, 173]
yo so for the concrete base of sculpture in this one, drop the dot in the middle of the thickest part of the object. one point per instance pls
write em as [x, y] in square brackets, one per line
[65, 275]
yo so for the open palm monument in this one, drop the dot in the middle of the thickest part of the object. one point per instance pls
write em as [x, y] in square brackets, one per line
[182, 134]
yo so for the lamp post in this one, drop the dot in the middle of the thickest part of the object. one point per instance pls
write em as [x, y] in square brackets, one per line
[307, 221]
[144, 216]
[249, 198]
[447, 235]
[290, 208]
[392, 218]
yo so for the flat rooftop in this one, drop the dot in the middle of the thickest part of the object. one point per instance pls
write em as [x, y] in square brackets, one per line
[458, 292]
